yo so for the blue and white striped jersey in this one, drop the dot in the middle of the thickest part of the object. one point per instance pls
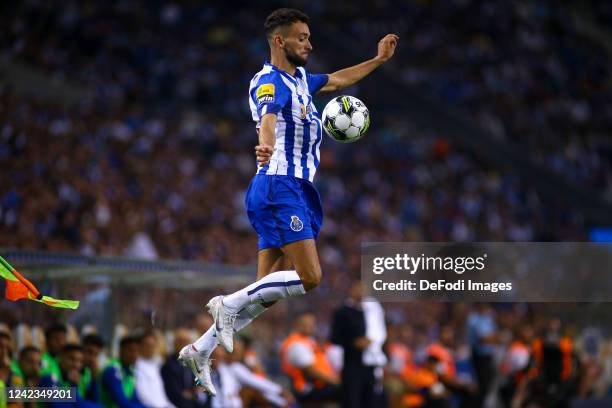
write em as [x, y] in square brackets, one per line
[298, 127]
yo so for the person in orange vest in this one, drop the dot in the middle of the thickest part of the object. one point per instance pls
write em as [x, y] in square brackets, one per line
[400, 364]
[446, 369]
[306, 364]
[515, 365]
[554, 367]
[425, 386]
[400, 355]
[553, 354]
[442, 350]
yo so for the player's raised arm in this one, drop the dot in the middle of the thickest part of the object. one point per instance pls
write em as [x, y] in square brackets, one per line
[349, 76]
[267, 138]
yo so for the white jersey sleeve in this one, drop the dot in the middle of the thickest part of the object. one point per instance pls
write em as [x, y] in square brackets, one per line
[248, 378]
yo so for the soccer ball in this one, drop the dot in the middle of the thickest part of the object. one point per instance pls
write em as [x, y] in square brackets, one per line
[346, 119]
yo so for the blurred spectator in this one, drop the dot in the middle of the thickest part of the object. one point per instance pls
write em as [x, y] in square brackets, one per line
[426, 388]
[335, 355]
[482, 335]
[70, 375]
[55, 340]
[92, 349]
[202, 322]
[178, 379]
[147, 372]
[349, 331]
[8, 376]
[30, 364]
[442, 350]
[446, 369]
[398, 349]
[553, 378]
[254, 389]
[373, 355]
[28, 367]
[141, 247]
[118, 382]
[515, 366]
[401, 364]
[251, 358]
[313, 378]
[228, 390]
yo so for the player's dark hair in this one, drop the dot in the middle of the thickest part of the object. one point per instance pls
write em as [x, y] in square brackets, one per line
[127, 340]
[55, 328]
[283, 17]
[94, 340]
[70, 347]
[28, 349]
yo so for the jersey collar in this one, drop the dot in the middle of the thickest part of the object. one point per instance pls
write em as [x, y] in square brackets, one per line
[298, 73]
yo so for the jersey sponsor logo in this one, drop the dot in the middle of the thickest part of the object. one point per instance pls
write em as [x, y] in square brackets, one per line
[296, 224]
[265, 93]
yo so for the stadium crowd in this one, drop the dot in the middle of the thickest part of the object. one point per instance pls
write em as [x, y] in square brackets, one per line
[524, 70]
[128, 182]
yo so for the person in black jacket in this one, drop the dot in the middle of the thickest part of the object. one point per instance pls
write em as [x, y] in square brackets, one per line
[178, 379]
[349, 331]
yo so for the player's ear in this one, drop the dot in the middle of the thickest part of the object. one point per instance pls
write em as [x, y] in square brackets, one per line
[277, 39]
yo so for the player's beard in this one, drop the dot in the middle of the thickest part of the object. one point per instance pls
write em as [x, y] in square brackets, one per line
[295, 59]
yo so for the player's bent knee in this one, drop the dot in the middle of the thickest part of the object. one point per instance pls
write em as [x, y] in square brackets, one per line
[310, 284]
[310, 280]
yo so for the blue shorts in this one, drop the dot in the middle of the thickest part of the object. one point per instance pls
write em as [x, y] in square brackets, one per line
[283, 209]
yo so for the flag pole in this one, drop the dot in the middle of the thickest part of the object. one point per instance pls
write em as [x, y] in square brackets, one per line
[21, 279]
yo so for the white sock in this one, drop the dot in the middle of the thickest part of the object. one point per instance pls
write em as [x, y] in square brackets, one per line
[270, 288]
[247, 315]
[207, 342]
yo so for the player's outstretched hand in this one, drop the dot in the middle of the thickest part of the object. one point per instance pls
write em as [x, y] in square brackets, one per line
[386, 47]
[263, 154]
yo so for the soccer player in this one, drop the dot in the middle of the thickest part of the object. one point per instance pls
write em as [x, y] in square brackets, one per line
[282, 203]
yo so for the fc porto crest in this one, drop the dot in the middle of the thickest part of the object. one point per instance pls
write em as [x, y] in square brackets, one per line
[296, 224]
[305, 110]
